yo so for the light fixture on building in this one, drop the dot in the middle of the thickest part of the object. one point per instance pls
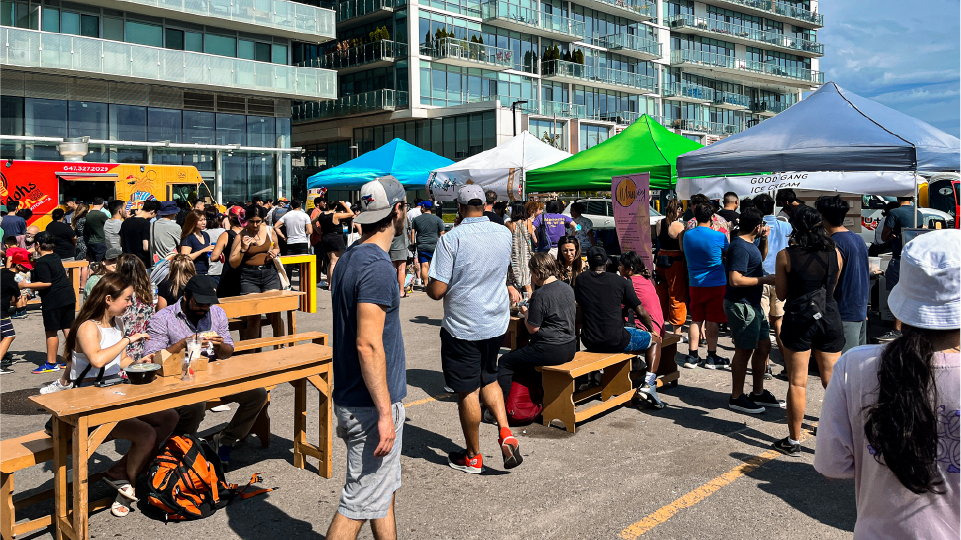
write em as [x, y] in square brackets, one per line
[514, 113]
[73, 148]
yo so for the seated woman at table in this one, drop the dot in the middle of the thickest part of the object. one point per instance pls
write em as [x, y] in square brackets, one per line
[197, 313]
[181, 270]
[97, 347]
[632, 267]
[254, 256]
[569, 258]
[549, 317]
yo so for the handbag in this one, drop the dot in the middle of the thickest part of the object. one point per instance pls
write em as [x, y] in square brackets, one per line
[663, 261]
[543, 239]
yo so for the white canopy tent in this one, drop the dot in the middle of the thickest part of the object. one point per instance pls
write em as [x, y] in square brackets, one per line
[500, 169]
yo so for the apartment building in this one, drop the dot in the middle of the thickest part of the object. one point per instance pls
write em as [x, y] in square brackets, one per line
[458, 77]
[207, 83]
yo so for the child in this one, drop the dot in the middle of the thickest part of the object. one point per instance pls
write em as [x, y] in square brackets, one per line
[11, 248]
[8, 291]
[58, 300]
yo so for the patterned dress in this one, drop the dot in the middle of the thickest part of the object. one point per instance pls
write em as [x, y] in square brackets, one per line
[81, 245]
[134, 321]
[521, 254]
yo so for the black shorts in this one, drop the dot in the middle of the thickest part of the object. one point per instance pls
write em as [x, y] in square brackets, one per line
[257, 279]
[298, 249]
[799, 333]
[468, 365]
[95, 252]
[333, 242]
[60, 318]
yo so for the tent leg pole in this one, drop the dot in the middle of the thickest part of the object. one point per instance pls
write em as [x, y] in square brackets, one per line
[917, 201]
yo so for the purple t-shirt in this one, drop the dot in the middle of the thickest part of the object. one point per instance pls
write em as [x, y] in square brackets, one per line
[556, 225]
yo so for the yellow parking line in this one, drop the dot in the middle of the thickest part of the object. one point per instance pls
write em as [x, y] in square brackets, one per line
[426, 400]
[697, 495]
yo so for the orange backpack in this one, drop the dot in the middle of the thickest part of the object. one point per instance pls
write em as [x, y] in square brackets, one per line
[187, 480]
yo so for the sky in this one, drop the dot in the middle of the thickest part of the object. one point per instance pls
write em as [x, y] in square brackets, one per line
[905, 55]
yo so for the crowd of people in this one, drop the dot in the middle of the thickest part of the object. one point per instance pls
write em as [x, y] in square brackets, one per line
[157, 274]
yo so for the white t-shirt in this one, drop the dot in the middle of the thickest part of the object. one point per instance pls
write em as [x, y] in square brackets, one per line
[414, 212]
[296, 221]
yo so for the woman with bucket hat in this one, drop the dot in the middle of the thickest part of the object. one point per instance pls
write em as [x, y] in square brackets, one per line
[891, 413]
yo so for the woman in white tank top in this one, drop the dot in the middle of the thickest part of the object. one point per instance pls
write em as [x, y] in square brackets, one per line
[96, 342]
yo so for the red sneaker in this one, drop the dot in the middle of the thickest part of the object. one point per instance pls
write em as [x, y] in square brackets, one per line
[510, 447]
[460, 461]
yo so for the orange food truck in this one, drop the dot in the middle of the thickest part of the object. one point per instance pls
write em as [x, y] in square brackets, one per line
[42, 186]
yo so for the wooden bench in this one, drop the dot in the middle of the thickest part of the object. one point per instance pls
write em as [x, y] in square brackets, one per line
[261, 427]
[561, 400]
[18, 454]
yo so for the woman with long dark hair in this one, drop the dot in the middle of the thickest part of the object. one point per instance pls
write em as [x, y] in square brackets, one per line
[97, 347]
[521, 249]
[229, 283]
[671, 266]
[214, 232]
[253, 253]
[172, 288]
[806, 273]
[569, 258]
[195, 242]
[142, 306]
[890, 417]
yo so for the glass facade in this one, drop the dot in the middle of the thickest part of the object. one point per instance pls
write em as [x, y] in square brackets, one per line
[245, 174]
[591, 136]
[454, 137]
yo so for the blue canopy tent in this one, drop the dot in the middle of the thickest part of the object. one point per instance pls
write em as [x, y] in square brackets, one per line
[407, 163]
[833, 140]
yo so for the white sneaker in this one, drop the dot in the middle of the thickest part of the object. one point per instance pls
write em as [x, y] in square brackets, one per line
[221, 408]
[648, 392]
[55, 386]
[708, 363]
[690, 362]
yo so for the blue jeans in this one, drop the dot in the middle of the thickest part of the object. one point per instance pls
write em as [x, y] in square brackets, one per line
[640, 340]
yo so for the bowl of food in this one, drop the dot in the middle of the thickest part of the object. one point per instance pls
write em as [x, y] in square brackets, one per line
[142, 373]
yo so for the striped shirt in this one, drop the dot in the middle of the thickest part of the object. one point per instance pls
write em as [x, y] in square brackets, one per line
[472, 259]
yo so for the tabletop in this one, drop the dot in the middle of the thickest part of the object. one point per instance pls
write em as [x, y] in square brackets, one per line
[92, 399]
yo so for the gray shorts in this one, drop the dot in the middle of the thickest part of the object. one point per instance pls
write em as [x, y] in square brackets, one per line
[371, 481]
[855, 334]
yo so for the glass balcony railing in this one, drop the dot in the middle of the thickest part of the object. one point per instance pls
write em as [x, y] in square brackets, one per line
[618, 117]
[784, 9]
[544, 108]
[637, 8]
[351, 9]
[730, 98]
[461, 51]
[91, 56]
[690, 91]
[514, 15]
[629, 42]
[598, 75]
[368, 53]
[701, 58]
[367, 102]
[747, 33]
[275, 14]
[704, 126]
[773, 107]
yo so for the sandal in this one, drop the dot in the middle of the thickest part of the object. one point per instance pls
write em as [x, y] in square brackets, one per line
[123, 487]
[119, 507]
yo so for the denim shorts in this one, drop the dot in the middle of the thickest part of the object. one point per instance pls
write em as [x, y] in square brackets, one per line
[640, 340]
[371, 481]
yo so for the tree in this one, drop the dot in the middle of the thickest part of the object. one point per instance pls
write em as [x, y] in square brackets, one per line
[567, 56]
[579, 57]
[554, 141]
[427, 40]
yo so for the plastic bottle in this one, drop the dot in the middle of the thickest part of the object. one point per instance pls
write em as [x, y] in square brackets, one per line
[155, 294]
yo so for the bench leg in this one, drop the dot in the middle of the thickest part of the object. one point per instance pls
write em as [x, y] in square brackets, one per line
[667, 371]
[300, 422]
[558, 399]
[261, 427]
[8, 515]
[616, 380]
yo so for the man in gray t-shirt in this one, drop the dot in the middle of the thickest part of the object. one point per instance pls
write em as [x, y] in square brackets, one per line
[165, 233]
[428, 228]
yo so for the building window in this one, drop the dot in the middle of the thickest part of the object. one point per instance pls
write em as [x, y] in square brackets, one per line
[113, 29]
[231, 129]
[164, 125]
[174, 39]
[144, 34]
[220, 45]
[591, 136]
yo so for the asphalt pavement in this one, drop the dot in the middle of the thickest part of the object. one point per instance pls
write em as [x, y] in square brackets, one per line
[694, 470]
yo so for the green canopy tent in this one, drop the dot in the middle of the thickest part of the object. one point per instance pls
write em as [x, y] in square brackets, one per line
[645, 146]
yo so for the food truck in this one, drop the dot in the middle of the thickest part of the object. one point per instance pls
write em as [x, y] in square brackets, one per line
[42, 186]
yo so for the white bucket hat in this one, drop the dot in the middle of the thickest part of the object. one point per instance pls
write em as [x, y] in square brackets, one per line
[928, 294]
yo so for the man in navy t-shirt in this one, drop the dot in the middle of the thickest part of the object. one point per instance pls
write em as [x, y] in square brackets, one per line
[854, 284]
[370, 369]
[742, 305]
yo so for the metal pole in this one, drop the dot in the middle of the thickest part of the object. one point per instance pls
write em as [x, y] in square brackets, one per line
[219, 176]
[917, 200]
[514, 117]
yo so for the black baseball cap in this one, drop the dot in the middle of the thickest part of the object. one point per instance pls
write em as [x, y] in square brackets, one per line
[203, 289]
[596, 256]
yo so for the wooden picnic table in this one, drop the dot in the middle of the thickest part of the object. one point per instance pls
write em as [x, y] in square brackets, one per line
[87, 415]
[266, 303]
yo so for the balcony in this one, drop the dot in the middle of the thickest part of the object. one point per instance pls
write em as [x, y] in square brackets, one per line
[688, 24]
[703, 126]
[634, 10]
[458, 52]
[279, 18]
[356, 12]
[769, 108]
[543, 108]
[607, 78]
[367, 56]
[762, 75]
[90, 57]
[778, 11]
[630, 45]
[375, 101]
[618, 117]
[731, 101]
[687, 92]
[532, 21]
